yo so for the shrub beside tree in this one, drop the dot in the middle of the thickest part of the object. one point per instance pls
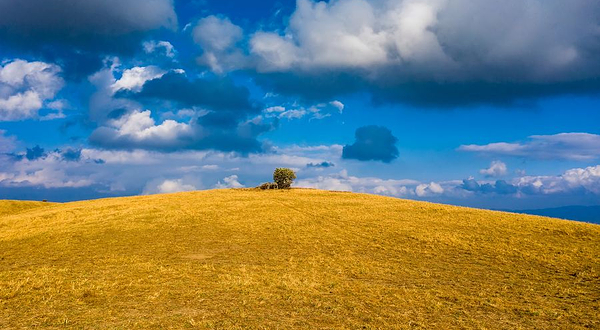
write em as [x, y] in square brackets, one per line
[268, 186]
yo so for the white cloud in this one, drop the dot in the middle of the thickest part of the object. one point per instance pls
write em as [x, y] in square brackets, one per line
[534, 41]
[432, 188]
[26, 87]
[275, 53]
[574, 180]
[51, 171]
[139, 129]
[339, 34]
[216, 34]
[167, 187]
[292, 114]
[134, 79]
[325, 183]
[573, 146]
[103, 102]
[125, 157]
[218, 38]
[496, 169]
[318, 111]
[153, 45]
[229, 182]
[48, 178]
[339, 105]
[275, 109]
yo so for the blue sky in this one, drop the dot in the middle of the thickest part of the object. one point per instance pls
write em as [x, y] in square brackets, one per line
[492, 105]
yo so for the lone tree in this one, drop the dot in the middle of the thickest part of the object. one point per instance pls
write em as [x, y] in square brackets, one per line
[284, 177]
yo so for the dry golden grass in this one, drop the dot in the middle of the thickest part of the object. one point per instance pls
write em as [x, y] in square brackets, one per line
[15, 207]
[292, 259]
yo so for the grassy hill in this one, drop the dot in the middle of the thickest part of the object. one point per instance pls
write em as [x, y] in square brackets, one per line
[292, 259]
[16, 207]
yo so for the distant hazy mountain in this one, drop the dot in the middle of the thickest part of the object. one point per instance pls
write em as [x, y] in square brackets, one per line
[578, 213]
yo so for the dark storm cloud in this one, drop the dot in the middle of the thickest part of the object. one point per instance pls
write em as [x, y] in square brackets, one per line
[432, 94]
[78, 34]
[215, 94]
[63, 19]
[221, 140]
[322, 88]
[372, 143]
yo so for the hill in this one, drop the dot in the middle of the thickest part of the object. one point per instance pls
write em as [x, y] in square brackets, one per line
[16, 207]
[292, 259]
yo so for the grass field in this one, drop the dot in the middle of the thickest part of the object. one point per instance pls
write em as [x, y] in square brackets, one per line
[292, 259]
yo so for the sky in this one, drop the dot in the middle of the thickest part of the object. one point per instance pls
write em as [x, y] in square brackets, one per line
[490, 104]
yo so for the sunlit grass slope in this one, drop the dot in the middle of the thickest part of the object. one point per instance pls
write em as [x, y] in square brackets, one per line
[16, 207]
[292, 259]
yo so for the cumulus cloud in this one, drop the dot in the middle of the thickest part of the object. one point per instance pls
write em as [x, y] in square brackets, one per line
[188, 114]
[139, 130]
[372, 143]
[582, 180]
[28, 87]
[577, 181]
[115, 85]
[496, 169]
[422, 37]
[433, 53]
[229, 182]
[167, 187]
[134, 79]
[218, 38]
[572, 146]
[427, 189]
[499, 187]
